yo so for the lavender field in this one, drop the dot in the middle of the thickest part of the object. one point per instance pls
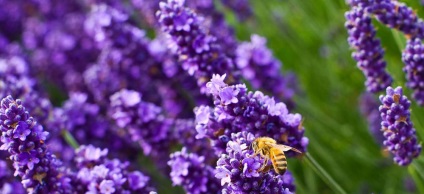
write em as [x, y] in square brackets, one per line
[172, 96]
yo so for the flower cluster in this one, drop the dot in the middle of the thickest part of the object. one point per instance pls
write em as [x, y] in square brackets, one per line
[399, 132]
[97, 174]
[184, 132]
[398, 16]
[190, 171]
[238, 110]
[24, 139]
[368, 50]
[199, 51]
[125, 60]
[143, 122]
[86, 123]
[130, 60]
[240, 171]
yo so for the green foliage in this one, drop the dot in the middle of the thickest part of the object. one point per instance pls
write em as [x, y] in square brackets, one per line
[310, 38]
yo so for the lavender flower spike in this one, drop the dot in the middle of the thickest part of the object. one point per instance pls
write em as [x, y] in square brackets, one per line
[399, 132]
[398, 16]
[368, 51]
[199, 51]
[24, 139]
[413, 57]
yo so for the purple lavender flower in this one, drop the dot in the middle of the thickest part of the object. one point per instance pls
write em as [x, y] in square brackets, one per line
[200, 54]
[397, 15]
[185, 132]
[87, 124]
[413, 57]
[239, 171]
[258, 65]
[238, 110]
[397, 127]
[143, 122]
[368, 51]
[97, 174]
[130, 60]
[189, 171]
[39, 169]
[125, 60]
[369, 108]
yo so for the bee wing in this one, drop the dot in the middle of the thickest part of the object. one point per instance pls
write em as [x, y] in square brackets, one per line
[284, 148]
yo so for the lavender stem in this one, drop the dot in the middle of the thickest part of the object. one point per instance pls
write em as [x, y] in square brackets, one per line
[69, 138]
[417, 176]
[324, 174]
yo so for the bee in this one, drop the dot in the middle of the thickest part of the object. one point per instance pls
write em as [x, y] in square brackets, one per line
[269, 149]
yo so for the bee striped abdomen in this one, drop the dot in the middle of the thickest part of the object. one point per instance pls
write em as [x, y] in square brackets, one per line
[279, 160]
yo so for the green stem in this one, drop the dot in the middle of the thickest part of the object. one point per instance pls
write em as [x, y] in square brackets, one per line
[416, 174]
[419, 171]
[70, 139]
[399, 39]
[324, 175]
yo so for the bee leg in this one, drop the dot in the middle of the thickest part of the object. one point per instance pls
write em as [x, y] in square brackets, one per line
[267, 168]
[265, 164]
[254, 154]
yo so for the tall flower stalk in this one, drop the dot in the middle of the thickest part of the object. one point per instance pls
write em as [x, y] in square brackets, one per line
[23, 138]
[398, 130]
[199, 51]
[368, 50]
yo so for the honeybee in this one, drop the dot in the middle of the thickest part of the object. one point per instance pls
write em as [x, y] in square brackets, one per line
[269, 149]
